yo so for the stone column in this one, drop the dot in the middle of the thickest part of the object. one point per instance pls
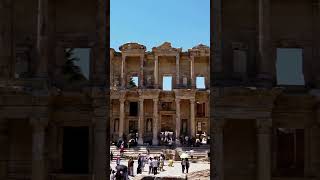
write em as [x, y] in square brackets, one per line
[216, 149]
[99, 120]
[314, 150]
[192, 118]
[140, 123]
[178, 121]
[38, 144]
[192, 72]
[42, 39]
[4, 151]
[121, 123]
[264, 148]
[141, 71]
[6, 39]
[265, 55]
[123, 72]
[177, 70]
[155, 140]
[156, 72]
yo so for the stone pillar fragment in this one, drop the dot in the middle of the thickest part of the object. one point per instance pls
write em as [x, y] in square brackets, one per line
[140, 123]
[155, 140]
[264, 148]
[38, 145]
[156, 72]
[178, 121]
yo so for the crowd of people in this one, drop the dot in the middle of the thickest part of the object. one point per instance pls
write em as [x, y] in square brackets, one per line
[151, 165]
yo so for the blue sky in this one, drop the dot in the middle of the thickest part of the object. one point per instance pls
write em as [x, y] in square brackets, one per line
[184, 23]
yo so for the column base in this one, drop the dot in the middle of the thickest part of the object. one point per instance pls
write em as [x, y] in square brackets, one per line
[155, 142]
[140, 141]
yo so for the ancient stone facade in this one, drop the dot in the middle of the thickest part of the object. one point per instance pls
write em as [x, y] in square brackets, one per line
[262, 129]
[39, 110]
[182, 110]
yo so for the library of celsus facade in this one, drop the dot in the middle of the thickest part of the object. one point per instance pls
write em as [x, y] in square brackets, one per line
[170, 94]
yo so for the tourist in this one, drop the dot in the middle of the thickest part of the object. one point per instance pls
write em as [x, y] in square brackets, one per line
[122, 149]
[187, 165]
[111, 156]
[139, 170]
[130, 166]
[122, 172]
[150, 165]
[113, 176]
[155, 165]
[161, 163]
[183, 164]
[118, 160]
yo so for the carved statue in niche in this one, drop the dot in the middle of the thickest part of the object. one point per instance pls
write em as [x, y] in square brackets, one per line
[149, 125]
[149, 80]
[185, 81]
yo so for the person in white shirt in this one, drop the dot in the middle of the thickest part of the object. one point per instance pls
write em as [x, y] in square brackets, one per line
[155, 165]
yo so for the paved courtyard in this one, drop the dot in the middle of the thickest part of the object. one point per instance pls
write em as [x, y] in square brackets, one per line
[176, 170]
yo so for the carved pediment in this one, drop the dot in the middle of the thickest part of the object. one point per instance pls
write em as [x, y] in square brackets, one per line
[132, 46]
[166, 47]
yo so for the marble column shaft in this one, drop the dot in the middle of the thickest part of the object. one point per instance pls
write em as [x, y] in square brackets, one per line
[178, 120]
[264, 39]
[192, 72]
[264, 148]
[141, 71]
[42, 39]
[192, 118]
[216, 154]
[4, 151]
[140, 122]
[123, 71]
[38, 145]
[156, 71]
[178, 69]
[155, 140]
[121, 123]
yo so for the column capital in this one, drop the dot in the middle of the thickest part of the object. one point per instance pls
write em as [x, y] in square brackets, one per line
[122, 100]
[177, 100]
[141, 100]
[192, 100]
[264, 125]
[155, 100]
[123, 57]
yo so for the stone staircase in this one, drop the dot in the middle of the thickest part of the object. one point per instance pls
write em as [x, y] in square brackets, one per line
[199, 152]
